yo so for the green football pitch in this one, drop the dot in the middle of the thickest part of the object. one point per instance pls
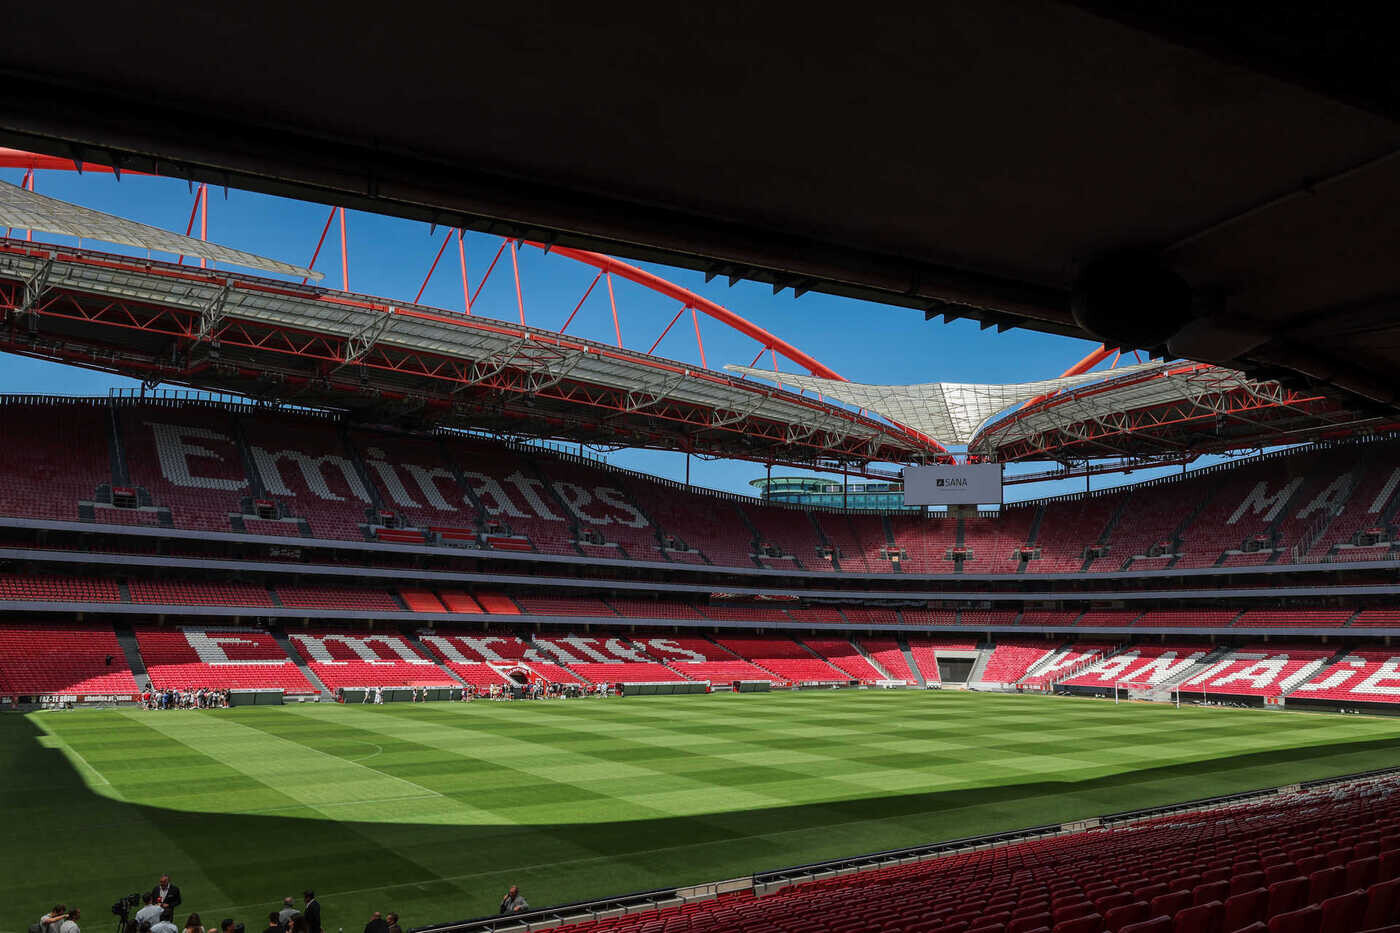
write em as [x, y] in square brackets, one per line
[432, 810]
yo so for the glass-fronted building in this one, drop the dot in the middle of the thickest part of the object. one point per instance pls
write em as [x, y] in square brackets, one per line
[823, 493]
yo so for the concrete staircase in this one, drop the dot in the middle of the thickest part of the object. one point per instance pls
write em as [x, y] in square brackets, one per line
[871, 661]
[984, 654]
[127, 639]
[913, 668]
[286, 645]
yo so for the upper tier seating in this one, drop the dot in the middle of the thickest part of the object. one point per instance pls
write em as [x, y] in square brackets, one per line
[706, 524]
[187, 457]
[597, 498]
[367, 659]
[304, 465]
[1363, 676]
[1014, 657]
[1257, 670]
[926, 541]
[54, 456]
[783, 657]
[843, 655]
[890, 656]
[415, 481]
[194, 657]
[514, 494]
[791, 531]
[1243, 868]
[1141, 666]
[859, 539]
[995, 543]
[1067, 528]
[67, 659]
[219, 469]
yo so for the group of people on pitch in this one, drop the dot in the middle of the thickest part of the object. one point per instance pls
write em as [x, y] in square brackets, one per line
[157, 915]
[203, 698]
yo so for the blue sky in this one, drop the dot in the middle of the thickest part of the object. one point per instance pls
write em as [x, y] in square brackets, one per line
[390, 257]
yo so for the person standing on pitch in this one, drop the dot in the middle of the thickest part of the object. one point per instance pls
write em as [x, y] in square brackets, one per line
[165, 894]
[312, 912]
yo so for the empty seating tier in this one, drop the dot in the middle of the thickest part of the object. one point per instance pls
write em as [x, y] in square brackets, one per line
[362, 659]
[44, 659]
[194, 657]
[1317, 861]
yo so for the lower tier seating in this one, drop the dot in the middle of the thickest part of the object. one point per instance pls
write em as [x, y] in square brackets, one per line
[890, 656]
[1257, 670]
[843, 655]
[1013, 658]
[783, 657]
[1362, 676]
[41, 658]
[1141, 666]
[194, 657]
[364, 659]
[1316, 861]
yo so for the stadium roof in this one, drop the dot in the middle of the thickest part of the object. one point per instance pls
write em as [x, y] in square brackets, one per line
[961, 159]
[949, 412]
[399, 361]
[26, 210]
[1170, 410]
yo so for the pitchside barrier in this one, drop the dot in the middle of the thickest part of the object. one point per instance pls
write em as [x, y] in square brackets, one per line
[255, 698]
[824, 684]
[767, 882]
[398, 694]
[664, 689]
[752, 686]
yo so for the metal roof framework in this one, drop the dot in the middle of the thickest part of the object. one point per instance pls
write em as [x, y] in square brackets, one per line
[262, 338]
[951, 412]
[1169, 409]
[25, 210]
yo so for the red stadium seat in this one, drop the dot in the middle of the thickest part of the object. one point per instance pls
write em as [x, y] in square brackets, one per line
[1304, 920]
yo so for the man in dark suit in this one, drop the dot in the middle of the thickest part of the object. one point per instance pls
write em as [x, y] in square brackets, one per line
[166, 894]
[312, 912]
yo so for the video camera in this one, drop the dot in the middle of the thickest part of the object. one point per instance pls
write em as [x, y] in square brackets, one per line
[123, 907]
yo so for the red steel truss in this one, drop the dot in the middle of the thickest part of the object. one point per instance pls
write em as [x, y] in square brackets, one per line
[1179, 410]
[530, 381]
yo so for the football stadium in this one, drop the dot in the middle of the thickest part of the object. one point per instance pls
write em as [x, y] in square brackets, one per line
[339, 607]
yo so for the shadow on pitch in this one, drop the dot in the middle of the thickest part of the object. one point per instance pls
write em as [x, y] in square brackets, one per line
[440, 872]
